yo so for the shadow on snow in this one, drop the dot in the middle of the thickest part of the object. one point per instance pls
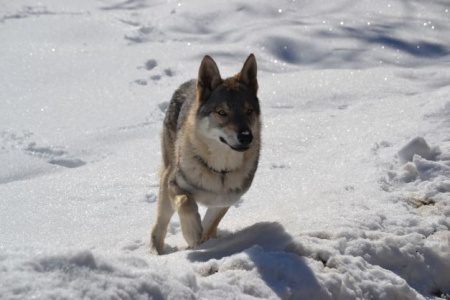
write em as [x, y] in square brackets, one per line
[285, 273]
[127, 5]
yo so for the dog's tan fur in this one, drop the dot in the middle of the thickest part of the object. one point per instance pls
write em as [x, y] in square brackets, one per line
[197, 166]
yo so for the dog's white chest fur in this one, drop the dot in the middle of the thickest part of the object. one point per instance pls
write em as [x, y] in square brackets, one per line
[224, 158]
[216, 200]
[211, 191]
[203, 179]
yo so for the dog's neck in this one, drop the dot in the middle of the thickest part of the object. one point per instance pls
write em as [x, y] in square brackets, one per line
[217, 157]
[206, 165]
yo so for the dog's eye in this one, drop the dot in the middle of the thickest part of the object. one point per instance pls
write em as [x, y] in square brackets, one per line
[249, 111]
[222, 112]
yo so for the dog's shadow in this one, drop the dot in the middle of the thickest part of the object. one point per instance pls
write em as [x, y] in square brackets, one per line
[287, 274]
[271, 236]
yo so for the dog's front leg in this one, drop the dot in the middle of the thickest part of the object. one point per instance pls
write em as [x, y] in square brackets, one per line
[191, 225]
[211, 220]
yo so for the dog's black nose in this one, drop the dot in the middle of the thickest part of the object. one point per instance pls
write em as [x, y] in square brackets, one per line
[245, 137]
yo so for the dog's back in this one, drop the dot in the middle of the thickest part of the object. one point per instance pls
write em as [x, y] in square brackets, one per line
[176, 114]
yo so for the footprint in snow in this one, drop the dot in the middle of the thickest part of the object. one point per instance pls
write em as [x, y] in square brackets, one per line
[163, 106]
[44, 151]
[155, 77]
[150, 65]
[280, 166]
[68, 163]
[141, 81]
[169, 72]
[133, 245]
[151, 198]
[55, 155]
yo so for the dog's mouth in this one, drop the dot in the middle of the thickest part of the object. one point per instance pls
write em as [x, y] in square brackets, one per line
[240, 148]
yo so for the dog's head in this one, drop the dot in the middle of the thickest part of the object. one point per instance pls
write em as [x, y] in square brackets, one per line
[228, 110]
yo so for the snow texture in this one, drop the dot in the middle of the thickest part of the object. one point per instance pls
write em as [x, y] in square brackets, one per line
[352, 196]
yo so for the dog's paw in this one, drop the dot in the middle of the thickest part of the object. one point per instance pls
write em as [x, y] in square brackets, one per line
[207, 235]
[153, 250]
[192, 230]
[156, 242]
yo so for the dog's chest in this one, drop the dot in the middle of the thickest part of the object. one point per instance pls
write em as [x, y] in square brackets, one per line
[200, 178]
[211, 188]
[216, 200]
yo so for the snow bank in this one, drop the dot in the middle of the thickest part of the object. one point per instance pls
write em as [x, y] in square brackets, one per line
[84, 275]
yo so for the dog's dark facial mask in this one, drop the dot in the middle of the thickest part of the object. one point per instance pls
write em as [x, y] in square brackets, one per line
[232, 115]
[228, 109]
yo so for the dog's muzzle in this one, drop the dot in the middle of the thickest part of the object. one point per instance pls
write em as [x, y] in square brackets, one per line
[244, 138]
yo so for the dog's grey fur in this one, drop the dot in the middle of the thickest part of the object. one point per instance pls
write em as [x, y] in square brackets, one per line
[210, 144]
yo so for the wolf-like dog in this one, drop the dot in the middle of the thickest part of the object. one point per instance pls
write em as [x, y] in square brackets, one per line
[211, 142]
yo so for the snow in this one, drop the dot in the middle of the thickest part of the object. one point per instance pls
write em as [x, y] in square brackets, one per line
[352, 196]
[417, 146]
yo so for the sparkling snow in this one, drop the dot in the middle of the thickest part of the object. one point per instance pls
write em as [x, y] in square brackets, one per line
[352, 196]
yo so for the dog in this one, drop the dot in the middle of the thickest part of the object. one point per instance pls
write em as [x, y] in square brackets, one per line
[211, 144]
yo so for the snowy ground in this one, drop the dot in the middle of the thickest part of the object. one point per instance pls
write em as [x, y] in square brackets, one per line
[352, 195]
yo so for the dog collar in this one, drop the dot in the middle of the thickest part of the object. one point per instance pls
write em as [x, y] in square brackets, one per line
[206, 165]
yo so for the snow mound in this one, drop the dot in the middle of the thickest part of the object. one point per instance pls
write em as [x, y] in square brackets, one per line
[417, 146]
[378, 264]
[261, 274]
[84, 275]
[418, 253]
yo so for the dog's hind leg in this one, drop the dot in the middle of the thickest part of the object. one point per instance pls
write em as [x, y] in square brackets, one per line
[165, 213]
[211, 221]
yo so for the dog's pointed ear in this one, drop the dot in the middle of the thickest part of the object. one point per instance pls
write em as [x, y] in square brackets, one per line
[248, 73]
[208, 75]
